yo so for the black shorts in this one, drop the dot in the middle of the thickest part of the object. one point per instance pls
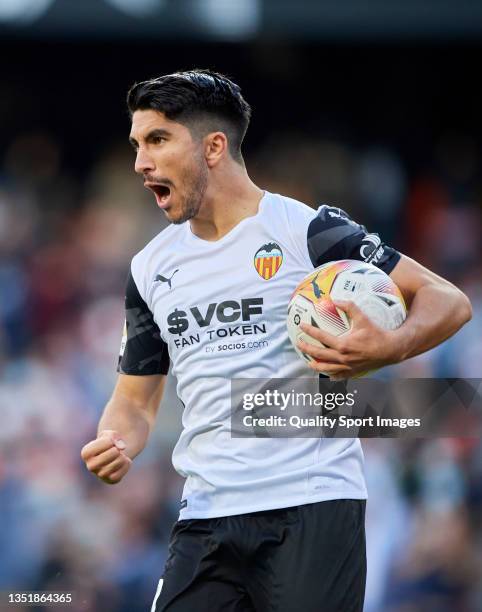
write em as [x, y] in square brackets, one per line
[308, 558]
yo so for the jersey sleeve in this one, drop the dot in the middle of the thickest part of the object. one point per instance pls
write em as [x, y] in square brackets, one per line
[333, 235]
[143, 351]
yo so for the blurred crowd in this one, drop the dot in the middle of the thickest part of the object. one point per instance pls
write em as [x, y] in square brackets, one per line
[65, 247]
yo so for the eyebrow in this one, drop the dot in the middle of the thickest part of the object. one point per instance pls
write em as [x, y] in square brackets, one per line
[157, 133]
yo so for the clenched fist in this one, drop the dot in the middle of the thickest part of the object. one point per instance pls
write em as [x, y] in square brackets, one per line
[105, 457]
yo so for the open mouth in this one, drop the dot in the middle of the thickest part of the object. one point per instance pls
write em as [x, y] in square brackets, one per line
[162, 193]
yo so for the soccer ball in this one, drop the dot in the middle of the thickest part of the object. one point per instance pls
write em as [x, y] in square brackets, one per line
[367, 286]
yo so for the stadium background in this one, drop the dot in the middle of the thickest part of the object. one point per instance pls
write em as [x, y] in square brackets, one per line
[374, 107]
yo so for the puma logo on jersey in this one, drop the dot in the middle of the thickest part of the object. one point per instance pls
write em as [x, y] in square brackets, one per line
[162, 279]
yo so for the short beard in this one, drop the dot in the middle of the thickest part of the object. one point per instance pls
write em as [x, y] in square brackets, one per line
[196, 184]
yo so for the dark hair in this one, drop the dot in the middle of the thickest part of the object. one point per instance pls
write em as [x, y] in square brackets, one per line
[202, 100]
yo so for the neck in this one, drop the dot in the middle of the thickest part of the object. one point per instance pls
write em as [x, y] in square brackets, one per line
[231, 196]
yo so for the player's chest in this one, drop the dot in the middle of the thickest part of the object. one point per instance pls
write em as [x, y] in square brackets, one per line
[232, 292]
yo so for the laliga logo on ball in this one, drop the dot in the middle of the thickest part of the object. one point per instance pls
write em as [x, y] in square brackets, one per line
[367, 286]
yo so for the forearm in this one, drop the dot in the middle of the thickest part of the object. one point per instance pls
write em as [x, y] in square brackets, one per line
[132, 422]
[436, 313]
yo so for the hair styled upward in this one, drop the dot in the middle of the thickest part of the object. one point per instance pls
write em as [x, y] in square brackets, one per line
[202, 100]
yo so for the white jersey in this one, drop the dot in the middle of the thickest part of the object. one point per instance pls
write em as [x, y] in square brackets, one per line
[218, 311]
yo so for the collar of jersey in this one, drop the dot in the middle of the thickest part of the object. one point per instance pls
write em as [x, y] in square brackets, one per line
[229, 236]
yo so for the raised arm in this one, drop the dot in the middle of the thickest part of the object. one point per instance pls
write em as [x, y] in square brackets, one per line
[124, 427]
[130, 413]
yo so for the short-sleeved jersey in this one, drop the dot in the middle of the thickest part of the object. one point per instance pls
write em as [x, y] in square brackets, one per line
[218, 309]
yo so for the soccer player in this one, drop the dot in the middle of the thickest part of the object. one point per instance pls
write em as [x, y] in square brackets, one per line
[265, 524]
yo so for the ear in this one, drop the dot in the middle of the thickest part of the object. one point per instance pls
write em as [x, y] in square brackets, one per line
[215, 147]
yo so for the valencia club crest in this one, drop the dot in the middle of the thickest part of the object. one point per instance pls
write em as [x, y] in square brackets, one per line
[268, 260]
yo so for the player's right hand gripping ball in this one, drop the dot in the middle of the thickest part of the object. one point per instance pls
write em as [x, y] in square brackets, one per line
[367, 286]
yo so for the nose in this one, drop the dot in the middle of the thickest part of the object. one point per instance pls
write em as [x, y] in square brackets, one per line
[144, 162]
